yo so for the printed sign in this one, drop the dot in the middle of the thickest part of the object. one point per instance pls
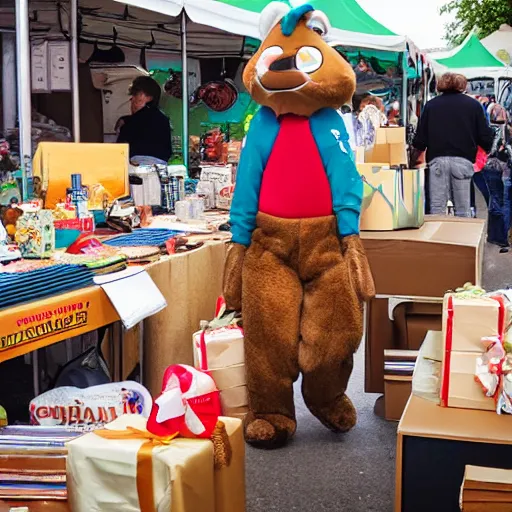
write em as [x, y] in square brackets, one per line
[50, 322]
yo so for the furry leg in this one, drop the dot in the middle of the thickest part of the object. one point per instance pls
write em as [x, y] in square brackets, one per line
[272, 296]
[331, 330]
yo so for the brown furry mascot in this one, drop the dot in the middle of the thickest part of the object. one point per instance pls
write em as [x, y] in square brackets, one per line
[296, 267]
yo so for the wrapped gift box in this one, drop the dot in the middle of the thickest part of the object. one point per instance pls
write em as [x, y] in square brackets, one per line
[393, 198]
[102, 473]
[463, 390]
[224, 348]
[467, 320]
[229, 377]
[234, 397]
[473, 318]
[35, 234]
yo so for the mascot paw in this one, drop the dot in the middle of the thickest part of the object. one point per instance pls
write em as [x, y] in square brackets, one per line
[233, 277]
[274, 431]
[340, 417]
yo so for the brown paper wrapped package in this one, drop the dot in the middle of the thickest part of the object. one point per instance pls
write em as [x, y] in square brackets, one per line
[464, 392]
[222, 353]
[187, 464]
[230, 377]
[473, 319]
[234, 397]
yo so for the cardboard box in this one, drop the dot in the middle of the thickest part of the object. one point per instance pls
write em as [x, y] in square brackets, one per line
[103, 164]
[434, 445]
[397, 390]
[390, 147]
[473, 319]
[393, 198]
[486, 489]
[230, 377]
[234, 397]
[426, 379]
[416, 264]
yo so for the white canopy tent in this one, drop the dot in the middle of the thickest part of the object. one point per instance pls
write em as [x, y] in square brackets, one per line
[499, 43]
[199, 28]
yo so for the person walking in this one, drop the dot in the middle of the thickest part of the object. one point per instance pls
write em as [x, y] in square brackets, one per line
[497, 175]
[451, 128]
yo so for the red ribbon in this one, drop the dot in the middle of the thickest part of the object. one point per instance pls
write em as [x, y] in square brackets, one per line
[445, 387]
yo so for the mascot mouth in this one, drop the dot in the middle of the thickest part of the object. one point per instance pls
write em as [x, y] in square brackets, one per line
[281, 81]
[277, 72]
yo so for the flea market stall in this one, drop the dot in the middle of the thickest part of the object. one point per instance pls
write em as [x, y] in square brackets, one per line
[486, 73]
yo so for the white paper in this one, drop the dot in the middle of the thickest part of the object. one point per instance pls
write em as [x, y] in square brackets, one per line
[133, 294]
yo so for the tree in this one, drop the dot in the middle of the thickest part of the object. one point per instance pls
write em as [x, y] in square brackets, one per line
[485, 16]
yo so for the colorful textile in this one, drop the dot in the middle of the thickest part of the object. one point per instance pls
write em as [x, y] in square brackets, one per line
[140, 237]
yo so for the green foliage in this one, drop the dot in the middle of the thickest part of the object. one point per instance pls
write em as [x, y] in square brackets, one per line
[484, 15]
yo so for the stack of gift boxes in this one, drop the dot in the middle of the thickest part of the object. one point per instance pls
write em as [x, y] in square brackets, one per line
[225, 361]
[477, 358]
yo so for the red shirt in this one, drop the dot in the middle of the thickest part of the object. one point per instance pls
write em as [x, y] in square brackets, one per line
[295, 184]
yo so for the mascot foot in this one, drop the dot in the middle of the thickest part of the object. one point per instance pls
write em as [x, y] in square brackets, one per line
[270, 431]
[339, 417]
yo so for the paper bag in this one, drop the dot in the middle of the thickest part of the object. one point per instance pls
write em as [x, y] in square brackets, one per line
[393, 198]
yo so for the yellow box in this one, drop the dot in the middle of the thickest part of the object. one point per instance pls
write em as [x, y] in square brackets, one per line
[99, 164]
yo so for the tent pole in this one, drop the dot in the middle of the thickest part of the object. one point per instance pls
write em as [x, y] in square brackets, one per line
[24, 86]
[184, 84]
[405, 103]
[9, 80]
[74, 70]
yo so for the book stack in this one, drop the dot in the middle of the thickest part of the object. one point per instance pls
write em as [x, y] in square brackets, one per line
[486, 490]
[398, 370]
[33, 462]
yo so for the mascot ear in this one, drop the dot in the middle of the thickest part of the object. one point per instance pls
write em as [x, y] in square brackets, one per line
[273, 13]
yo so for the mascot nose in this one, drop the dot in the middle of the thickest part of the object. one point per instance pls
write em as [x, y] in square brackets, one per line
[284, 64]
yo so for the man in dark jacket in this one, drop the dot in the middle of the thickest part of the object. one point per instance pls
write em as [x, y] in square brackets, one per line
[451, 128]
[147, 130]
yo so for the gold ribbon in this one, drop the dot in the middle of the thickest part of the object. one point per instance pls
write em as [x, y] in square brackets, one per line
[144, 460]
[221, 450]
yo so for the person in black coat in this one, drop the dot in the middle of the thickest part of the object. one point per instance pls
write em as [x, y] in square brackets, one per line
[148, 129]
[451, 128]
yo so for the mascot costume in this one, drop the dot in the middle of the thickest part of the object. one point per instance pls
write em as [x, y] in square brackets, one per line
[296, 266]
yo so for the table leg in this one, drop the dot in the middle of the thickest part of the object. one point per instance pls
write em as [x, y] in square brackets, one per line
[141, 353]
[35, 372]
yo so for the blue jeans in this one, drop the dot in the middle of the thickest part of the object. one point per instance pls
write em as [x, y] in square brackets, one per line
[499, 184]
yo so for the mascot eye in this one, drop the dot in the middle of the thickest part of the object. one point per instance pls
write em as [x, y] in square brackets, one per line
[309, 59]
[318, 23]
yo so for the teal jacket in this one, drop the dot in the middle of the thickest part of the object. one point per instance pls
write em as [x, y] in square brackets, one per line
[332, 139]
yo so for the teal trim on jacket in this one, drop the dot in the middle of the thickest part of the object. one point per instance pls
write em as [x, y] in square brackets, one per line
[332, 139]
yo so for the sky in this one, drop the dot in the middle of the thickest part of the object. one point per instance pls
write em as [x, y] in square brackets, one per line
[418, 19]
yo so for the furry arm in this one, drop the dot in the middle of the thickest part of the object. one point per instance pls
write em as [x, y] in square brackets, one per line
[232, 286]
[255, 154]
[346, 184]
[360, 272]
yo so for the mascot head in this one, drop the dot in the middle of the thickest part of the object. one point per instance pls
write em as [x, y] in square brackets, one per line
[296, 70]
